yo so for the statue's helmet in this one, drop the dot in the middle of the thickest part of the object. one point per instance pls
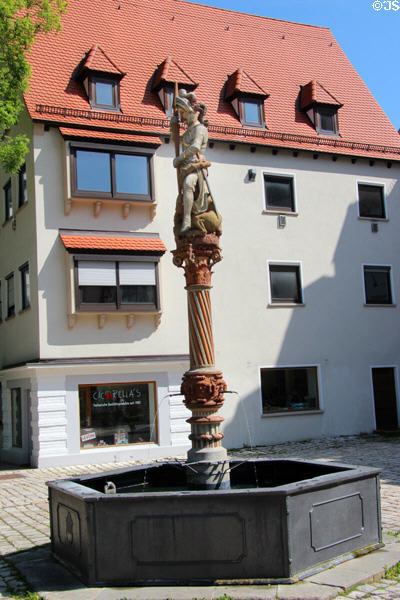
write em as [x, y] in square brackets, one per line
[186, 101]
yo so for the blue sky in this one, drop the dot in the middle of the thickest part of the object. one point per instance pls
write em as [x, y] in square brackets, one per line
[367, 31]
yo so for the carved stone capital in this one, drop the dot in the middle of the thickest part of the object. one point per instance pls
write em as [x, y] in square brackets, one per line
[197, 256]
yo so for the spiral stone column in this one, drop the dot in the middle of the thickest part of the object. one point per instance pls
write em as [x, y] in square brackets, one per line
[203, 385]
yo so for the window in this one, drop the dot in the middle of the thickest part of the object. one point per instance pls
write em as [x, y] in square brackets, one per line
[16, 418]
[22, 190]
[8, 206]
[285, 284]
[377, 285]
[252, 112]
[116, 284]
[25, 287]
[110, 174]
[104, 93]
[279, 193]
[10, 295]
[326, 121]
[371, 201]
[117, 414]
[289, 389]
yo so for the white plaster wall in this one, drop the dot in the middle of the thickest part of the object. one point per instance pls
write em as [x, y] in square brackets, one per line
[19, 334]
[334, 329]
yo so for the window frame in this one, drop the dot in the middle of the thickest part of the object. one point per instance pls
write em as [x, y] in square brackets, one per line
[25, 286]
[16, 426]
[319, 109]
[282, 176]
[22, 186]
[383, 196]
[286, 266]
[10, 306]
[8, 201]
[118, 307]
[93, 80]
[111, 150]
[261, 112]
[381, 268]
[280, 411]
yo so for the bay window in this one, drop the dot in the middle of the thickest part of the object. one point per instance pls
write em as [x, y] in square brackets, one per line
[110, 174]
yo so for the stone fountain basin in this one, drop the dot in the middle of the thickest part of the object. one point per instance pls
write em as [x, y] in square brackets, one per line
[280, 521]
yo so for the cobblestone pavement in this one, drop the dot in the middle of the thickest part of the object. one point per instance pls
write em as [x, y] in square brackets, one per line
[24, 519]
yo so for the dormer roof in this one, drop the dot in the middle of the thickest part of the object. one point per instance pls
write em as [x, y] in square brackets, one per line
[97, 60]
[170, 72]
[240, 83]
[315, 93]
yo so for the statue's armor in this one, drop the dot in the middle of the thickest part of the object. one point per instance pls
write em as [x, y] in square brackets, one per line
[194, 145]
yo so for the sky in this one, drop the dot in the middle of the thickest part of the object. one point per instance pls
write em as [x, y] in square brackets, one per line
[367, 30]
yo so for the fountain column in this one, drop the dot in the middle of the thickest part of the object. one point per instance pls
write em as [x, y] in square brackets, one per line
[202, 385]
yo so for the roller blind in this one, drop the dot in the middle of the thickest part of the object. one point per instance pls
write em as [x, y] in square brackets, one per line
[135, 273]
[92, 272]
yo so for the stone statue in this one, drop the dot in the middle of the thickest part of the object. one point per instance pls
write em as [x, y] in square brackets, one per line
[196, 213]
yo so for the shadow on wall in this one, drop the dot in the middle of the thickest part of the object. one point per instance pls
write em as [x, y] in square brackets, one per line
[334, 331]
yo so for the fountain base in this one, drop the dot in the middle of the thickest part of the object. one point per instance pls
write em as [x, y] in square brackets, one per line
[279, 521]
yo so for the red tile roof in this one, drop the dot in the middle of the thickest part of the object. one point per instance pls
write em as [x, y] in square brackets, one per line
[314, 92]
[210, 43]
[115, 243]
[241, 82]
[116, 136]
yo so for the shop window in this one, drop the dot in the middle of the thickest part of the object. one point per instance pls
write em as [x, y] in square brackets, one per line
[16, 418]
[22, 189]
[279, 193]
[285, 284]
[8, 206]
[377, 285]
[110, 174]
[371, 201]
[289, 389]
[10, 295]
[117, 414]
[116, 284]
[25, 286]
[104, 93]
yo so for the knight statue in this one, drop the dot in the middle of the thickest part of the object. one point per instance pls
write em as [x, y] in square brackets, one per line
[196, 213]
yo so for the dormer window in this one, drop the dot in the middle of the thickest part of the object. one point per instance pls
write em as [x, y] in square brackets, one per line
[101, 79]
[167, 74]
[321, 108]
[104, 93]
[247, 99]
[252, 112]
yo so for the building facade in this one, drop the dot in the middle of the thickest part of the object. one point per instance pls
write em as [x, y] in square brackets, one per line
[305, 170]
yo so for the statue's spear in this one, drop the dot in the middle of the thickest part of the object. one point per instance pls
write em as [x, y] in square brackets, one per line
[175, 134]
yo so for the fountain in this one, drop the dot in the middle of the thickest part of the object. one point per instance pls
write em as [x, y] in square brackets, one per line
[210, 519]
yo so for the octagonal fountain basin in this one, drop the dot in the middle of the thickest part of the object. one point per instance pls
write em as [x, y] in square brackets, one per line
[280, 521]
